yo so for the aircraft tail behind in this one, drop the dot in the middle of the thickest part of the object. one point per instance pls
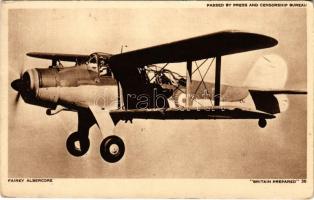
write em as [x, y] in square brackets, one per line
[269, 71]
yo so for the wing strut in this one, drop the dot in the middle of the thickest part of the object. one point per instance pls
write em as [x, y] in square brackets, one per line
[217, 81]
[120, 97]
[188, 83]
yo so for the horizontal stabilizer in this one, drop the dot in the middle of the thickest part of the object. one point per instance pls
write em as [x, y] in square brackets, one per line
[278, 91]
[267, 101]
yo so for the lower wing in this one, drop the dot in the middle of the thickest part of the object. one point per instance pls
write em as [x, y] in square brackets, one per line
[214, 112]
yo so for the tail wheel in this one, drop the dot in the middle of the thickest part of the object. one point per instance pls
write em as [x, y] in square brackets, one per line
[112, 149]
[77, 144]
[262, 123]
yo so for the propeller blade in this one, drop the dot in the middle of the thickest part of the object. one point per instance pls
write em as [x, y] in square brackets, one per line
[17, 98]
[18, 85]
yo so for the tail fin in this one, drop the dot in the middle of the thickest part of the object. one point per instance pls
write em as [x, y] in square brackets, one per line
[266, 82]
[269, 71]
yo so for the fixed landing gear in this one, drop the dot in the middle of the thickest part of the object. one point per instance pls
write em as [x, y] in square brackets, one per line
[77, 144]
[262, 123]
[112, 149]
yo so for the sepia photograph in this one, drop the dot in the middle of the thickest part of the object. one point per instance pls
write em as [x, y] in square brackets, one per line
[156, 92]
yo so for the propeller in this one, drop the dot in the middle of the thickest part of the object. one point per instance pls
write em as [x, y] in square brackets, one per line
[19, 86]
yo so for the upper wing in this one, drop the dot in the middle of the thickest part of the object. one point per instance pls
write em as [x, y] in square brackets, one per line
[60, 56]
[206, 46]
[201, 47]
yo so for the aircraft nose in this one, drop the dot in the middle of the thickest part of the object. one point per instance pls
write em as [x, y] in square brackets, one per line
[23, 84]
[18, 85]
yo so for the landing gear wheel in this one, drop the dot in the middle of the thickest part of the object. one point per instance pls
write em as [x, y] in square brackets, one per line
[77, 144]
[112, 148]
[262, 123]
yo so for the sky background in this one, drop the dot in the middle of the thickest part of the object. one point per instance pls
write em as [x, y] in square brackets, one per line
[159, 149]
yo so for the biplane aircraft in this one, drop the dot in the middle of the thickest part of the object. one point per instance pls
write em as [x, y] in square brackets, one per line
[104, 89]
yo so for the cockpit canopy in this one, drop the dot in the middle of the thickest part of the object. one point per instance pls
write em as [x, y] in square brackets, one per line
[98, 63]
